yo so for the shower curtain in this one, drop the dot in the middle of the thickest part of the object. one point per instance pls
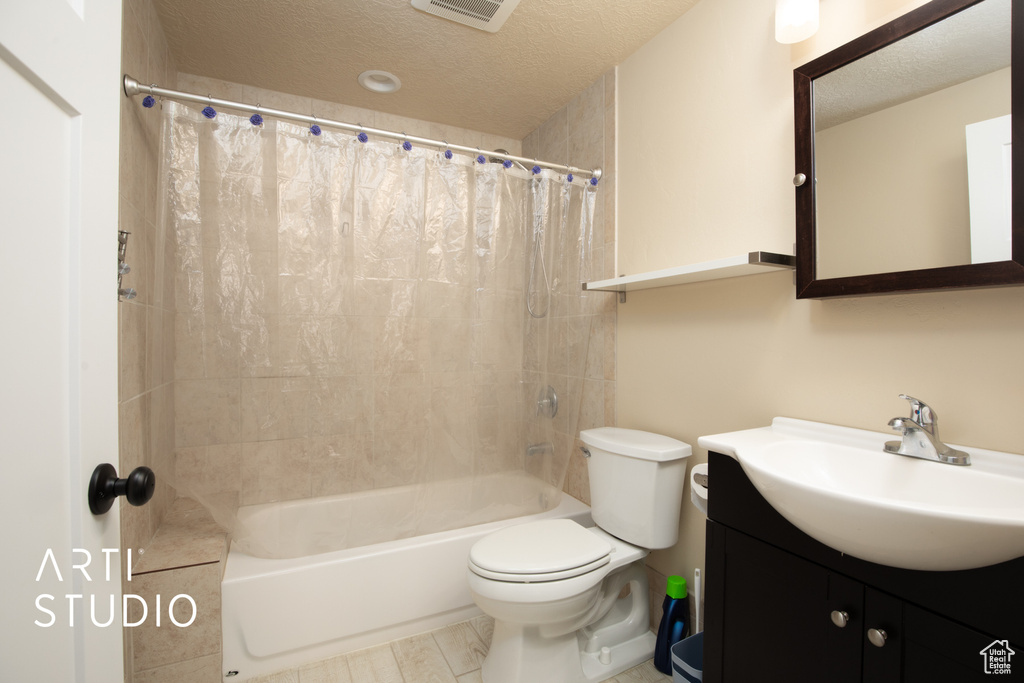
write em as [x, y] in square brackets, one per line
[353, 316]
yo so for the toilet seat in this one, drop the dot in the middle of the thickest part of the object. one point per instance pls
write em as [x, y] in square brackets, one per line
[547, 550]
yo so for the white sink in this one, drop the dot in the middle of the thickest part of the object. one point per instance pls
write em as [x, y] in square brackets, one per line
[838, 486]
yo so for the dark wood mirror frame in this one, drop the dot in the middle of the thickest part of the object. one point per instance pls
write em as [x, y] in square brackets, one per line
[999, 273]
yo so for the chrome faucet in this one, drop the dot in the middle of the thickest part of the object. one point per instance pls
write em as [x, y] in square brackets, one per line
[921, 436]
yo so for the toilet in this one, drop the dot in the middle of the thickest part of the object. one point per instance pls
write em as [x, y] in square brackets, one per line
[554, 587]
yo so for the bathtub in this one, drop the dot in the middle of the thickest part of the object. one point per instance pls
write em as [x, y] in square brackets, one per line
[310, 597]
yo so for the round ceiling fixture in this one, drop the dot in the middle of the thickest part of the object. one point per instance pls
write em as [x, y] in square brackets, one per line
[379, 81]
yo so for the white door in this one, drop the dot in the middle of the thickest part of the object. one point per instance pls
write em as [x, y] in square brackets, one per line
[989, 179]
[59, 106]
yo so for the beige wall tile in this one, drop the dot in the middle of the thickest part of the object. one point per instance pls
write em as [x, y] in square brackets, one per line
[275, 470]
[341, 464]
[132, 349]
[207, 412]
[158, 646]
[200, 670]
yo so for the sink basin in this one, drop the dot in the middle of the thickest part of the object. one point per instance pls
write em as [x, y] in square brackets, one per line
[838, 486]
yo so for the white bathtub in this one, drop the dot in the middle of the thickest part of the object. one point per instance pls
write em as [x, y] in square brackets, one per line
[280, 613]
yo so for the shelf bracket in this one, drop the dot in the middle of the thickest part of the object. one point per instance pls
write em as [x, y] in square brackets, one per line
[622, 293]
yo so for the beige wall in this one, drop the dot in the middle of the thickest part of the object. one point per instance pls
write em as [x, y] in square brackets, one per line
[705, 166]
[898, 178]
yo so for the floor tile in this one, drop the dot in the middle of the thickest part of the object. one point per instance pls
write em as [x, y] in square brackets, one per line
[327, 671]
[644, 673]
[374, 665]
[462, 647]
[421, 661]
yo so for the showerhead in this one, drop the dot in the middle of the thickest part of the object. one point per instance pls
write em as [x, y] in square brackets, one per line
[496, 160]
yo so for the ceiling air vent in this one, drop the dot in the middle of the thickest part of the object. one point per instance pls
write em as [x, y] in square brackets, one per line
[486, 15]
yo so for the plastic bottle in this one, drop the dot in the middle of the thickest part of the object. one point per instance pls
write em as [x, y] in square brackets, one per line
[674, 623]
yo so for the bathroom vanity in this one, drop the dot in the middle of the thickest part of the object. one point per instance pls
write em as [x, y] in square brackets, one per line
[781, 606]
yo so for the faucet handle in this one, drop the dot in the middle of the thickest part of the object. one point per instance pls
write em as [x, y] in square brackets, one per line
[920, 412]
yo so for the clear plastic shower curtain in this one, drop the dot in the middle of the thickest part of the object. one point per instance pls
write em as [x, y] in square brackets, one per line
[352, 317]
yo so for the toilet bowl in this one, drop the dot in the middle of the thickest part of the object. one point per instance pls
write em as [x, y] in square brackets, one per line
[556, 589]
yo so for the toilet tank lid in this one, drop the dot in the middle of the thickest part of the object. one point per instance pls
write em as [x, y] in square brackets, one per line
[636, 443]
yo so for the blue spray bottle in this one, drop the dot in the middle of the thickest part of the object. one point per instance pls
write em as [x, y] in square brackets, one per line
[674, 623]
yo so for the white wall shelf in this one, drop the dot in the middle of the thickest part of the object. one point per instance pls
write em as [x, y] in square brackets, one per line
[735, 266]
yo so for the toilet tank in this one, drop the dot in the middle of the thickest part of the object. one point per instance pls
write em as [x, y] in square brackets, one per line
[636, 484]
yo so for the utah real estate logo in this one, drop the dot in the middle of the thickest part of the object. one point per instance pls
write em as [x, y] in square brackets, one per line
[997, 657]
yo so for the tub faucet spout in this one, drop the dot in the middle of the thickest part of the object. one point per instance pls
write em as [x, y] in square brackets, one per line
[921, 436]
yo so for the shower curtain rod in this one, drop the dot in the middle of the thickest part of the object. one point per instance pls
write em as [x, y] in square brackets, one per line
[132, 87]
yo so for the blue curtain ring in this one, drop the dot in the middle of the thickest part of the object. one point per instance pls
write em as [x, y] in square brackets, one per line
[256, 120]
[407, 146]
[536, 170]
[448, 154]
[314, 129]
[593, 181]
[507, 163]
[362, 137]
[148, 101]
[481, 159]
[209, 112]
[569, 177]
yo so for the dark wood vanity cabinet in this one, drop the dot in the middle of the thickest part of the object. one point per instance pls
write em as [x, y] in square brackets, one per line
[771, 592]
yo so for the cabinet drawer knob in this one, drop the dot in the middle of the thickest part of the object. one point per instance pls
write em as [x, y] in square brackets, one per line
[877, 637]
[840, 618]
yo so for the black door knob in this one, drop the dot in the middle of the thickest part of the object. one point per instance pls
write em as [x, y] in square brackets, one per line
[104, 487]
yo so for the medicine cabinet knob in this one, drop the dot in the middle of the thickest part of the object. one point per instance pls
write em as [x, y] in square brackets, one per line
[877, 637]
[104, 487]
[840, 618]
[799, 179]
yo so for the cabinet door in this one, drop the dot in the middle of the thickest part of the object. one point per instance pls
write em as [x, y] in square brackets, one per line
[775, 614]
[845, 631]
[937, 650]
[882, 635]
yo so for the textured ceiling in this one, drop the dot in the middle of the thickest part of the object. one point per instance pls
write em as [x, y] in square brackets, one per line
[506, 83]
[967, 45]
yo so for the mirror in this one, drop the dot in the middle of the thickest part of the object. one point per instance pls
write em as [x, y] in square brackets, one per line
[906, 134]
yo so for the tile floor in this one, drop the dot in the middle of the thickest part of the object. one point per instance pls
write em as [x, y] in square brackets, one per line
[448, 655]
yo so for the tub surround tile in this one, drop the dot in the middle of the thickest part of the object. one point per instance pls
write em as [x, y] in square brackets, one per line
[155, 646]
[200, 670]
[471, 677]
[188, 536]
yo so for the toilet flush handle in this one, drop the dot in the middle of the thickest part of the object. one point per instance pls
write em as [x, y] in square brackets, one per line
[585, 451]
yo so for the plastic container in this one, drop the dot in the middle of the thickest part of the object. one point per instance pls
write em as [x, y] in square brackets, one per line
[674, 623]
[688, 659]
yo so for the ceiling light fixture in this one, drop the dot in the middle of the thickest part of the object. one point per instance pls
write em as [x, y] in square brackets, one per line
[379, 81]
[795, 20]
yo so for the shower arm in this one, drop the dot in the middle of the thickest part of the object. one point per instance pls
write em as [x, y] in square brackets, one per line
[132, 88]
